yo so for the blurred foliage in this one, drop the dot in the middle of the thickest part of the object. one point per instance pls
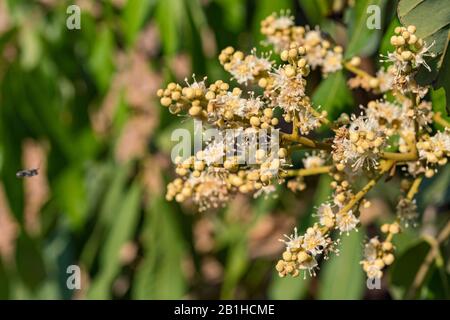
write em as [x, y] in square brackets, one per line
[80, 106]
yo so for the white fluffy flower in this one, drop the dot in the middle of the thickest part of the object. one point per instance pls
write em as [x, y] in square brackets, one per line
[346, 221]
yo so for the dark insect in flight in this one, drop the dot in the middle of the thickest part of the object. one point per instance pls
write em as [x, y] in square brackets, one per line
[27, 173]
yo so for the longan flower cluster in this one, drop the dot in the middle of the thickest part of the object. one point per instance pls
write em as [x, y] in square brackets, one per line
[410, 53]
[360, 146]
[434, 151]
[281, 32]
[399, 118]
[393, 131]
[210, 178]
[378, 254]
[244, 68]
[302, 252]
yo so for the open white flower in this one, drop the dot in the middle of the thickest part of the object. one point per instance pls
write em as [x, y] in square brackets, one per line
[346, 221]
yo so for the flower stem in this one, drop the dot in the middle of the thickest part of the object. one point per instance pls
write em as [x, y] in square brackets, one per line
[385, 166]
[307, 172]
[407, 156]
[414, 188]
[313, 144]
[356, 70]
[437, 117]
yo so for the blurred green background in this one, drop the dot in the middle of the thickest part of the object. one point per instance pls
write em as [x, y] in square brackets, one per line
[81, 106]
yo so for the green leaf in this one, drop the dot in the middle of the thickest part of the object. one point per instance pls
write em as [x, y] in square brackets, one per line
[404, 6]
[443, 78]
[287, 288]
[417, 13]
[29, 262]
[101, 59]
[4, 281]
[234, 14]
[438, 287]
[363, 41]
[436, 190]
[237, 262]
[333, 95]
[342, 276]
[439, 102]
[121, 231]
[169, 17]
[70, 192]
[405, 268]
[133, 17]
[109, 203]
[316, 10]
[159, 275]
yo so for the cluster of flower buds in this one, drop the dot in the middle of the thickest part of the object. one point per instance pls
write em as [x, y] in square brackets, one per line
[410, 53]
[434, 150]
[401, 121]
[359, 146]
[244, 68]
[281, 33]
[209, 178]
[378, 254]
[302, 251]
[190, 98]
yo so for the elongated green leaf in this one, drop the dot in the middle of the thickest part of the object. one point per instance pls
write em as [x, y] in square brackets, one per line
[70, 191]
[4, 281]
[342, 276]
[169, 17]
[362, 39]
[29, 261]
[443, 78]
[418, 14]
[101, 59]
[110, 202]
[160, 276]
[237, 262]
[122, 230]
[315, 11]
[333, 95]
[439, 101]
[406, 266]
[288, 288]
[133, 17]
